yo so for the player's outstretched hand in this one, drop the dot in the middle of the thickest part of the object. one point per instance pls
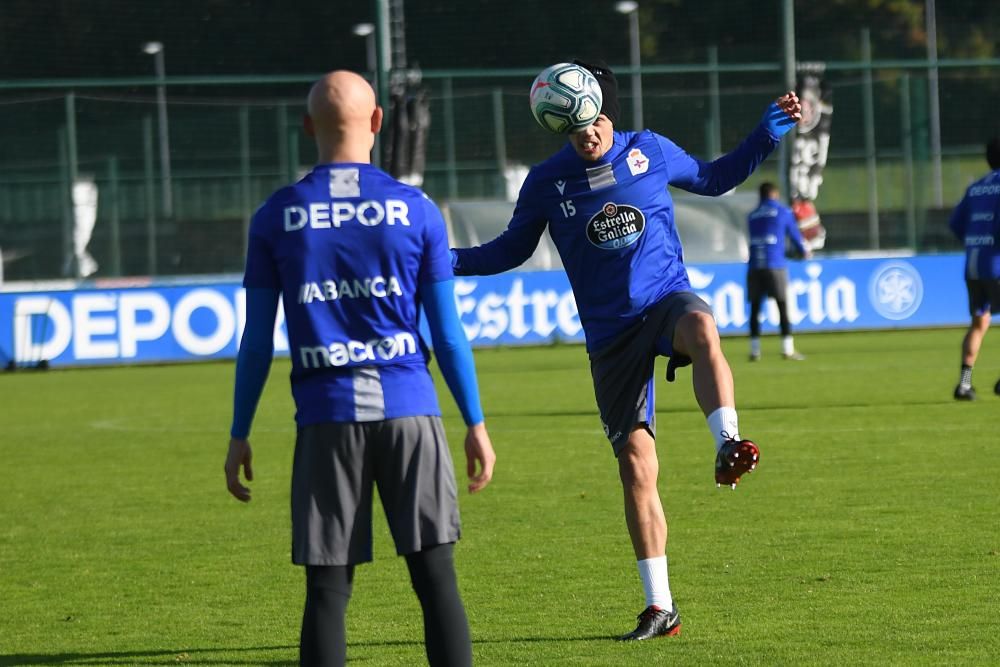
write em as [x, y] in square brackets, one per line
[782, 114]
[479, 455]
[240, 454]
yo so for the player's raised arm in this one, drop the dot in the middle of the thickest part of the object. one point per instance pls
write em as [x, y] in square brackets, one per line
[726, 172]
[454, 357]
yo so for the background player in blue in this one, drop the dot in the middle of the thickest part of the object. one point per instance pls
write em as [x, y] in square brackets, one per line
[767, 271]
[352, 254]
[976, 223]
[604, 200]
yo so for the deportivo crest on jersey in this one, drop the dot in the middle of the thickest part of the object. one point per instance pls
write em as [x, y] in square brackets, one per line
[615, 226]
[601, 177]
[637, 162]
[345, 183]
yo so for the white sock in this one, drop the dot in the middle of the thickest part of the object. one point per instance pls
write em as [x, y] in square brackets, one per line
[787, 346]
[653, 572]
[755, 346]
[724, 425]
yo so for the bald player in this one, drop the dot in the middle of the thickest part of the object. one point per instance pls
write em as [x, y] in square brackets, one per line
[353, 254]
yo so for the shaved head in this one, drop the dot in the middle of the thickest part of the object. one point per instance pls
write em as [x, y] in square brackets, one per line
[342, 116]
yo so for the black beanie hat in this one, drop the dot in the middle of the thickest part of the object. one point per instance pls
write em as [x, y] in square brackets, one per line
[609, 87]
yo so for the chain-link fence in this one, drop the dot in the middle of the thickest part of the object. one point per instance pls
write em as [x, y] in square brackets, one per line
[231, 143]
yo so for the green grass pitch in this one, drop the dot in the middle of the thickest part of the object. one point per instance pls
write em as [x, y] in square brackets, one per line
[868, 535]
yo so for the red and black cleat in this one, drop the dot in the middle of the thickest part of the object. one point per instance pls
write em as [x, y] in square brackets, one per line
[735, 459]
[655, 622]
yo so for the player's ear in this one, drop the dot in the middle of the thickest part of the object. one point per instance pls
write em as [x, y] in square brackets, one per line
[377, 120]
[307, 125]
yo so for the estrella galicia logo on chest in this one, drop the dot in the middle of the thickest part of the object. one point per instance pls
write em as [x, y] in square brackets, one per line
[615, 226]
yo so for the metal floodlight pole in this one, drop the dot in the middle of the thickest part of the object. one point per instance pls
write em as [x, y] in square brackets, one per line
[630, 8]
[789, 73]
[383, 64]
[871, 161]
[383, 55]
[934, 102]
[367, 30]
[155, 49]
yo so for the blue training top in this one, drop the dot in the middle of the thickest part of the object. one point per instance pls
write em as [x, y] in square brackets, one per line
[976, 223]
[770, 223]
[613, 222]
[353, 254]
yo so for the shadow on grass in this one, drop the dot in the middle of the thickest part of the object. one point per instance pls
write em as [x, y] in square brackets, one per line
[747, 406]
[209, 656]
[193, 656]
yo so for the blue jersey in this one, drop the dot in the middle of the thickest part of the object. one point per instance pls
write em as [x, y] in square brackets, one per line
[347, 247]
[976, 223]
[612, 222]
[770, 223]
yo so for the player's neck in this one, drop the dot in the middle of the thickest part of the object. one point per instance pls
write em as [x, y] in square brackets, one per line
[346, 151]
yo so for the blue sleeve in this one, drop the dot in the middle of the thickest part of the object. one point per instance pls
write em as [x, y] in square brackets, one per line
[511, 249]
[451, 347]
[254, 359]
[793, 231]
[260, 270]
[435, 263]
[957, 220]
[721, 175]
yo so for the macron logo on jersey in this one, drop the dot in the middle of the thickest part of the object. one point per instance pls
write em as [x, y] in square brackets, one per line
[324, 215]
[341, 353]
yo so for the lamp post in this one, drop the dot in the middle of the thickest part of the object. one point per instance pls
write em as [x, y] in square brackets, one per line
[367, 30]
[934, 101]
[630, 8]
[155, 49]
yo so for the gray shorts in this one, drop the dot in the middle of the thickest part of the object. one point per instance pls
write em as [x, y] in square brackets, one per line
[623, 370]
[335, 467]
[767, 282]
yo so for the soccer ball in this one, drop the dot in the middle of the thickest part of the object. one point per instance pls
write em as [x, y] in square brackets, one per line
[565, 98]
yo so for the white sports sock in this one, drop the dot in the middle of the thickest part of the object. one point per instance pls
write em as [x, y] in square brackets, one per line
[653, 572]
[787, 346]
[755, 346]
[724, 425]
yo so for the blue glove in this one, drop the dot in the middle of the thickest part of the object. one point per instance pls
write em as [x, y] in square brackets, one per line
[776, 121]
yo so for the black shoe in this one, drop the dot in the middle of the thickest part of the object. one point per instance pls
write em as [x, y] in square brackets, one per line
[996, 388]
[655, 622]
[966, 393]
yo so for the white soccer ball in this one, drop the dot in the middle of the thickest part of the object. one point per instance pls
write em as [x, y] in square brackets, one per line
[565, 98]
